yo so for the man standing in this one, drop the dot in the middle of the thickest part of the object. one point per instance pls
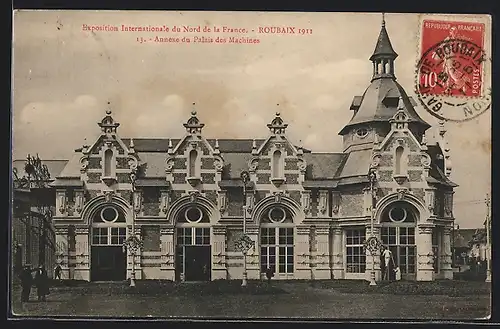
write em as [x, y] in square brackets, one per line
[57, 272]
[26, 283]
[387, 259]
[42, 283]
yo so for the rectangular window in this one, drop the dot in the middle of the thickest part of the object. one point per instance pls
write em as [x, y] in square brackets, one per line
[356, 258]
[100, 235]
[151, 238]
[118, 235]
[202, 235]
[277, 249]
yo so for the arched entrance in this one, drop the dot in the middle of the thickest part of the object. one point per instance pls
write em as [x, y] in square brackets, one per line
[193, 248]
[109, 231]
[398, 221]
[277, 241]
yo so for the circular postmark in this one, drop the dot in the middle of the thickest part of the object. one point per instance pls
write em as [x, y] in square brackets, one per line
[450, 82]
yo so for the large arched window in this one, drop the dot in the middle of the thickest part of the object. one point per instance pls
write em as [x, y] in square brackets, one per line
[398, 234]
[193, 157]
[193, 248]
[108, 159]
[277, 241]
[277, 170]
[399, 161]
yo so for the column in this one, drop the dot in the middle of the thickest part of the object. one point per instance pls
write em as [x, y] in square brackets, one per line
[446, 255]
[375, 259]
[81, 262]
[253, 256]
[337, 255]
[425, 261]
[167, 266]
[322, 254]
[219, 253]
[62, 256]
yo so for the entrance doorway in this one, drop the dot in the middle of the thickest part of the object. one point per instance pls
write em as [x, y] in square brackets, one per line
[197, 263]
[109, 263]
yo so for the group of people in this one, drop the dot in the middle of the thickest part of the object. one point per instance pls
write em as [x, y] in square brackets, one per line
[40, 280]
[390, 271]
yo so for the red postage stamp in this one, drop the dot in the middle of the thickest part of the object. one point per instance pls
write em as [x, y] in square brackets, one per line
[451, 58]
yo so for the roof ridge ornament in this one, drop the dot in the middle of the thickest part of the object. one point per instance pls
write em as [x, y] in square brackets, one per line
[277, 126]
[108, 124]
[193, 125]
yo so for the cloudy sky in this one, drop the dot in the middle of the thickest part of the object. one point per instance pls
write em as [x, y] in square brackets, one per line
[64, 78]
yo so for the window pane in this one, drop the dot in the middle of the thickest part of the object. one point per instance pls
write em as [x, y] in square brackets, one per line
[95, 239]
[282, 268]
[289, 239]
[206, 240]
[114, 231]
[272, 236]
[289, 268]
[103, 240]
[114, 240]
[289, 231]
[121, 240]
[198, 231]
[199, 240]
[272, 251]
[282, 239]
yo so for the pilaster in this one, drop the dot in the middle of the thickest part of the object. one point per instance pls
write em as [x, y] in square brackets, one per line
[167, 265]
[338, 255]
[219, 270]
[446, 255]
[425, 257]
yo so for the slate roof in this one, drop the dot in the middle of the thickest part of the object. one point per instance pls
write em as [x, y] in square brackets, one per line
[436, 172]
[383, 48]
[380, 103]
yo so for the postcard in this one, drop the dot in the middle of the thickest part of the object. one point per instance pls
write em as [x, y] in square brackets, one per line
[251, 165]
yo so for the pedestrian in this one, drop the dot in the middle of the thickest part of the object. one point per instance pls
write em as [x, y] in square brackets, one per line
[42, 283]
[387, 259]
[382, 263]
[57, 272]
[26, 283]
[269, 274]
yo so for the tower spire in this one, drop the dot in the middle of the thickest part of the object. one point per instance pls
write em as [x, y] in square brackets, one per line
[384, 55]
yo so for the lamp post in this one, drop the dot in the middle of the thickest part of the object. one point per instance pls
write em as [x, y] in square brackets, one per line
[133, 244]
[372, 244]
[245, 243]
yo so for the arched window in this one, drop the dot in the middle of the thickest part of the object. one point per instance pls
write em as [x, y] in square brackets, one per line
[277, 164]
[277, 241]
[379, 68]
[193, 155]
[398, 162]
[387, 68]
[108, 158]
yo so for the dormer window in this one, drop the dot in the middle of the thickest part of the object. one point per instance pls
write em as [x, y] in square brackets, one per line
[108, 159]
[362, 132]
[277, 170]
[193, 177]
[399, 158]
[400, 173]
[108, 174]
[193, 157]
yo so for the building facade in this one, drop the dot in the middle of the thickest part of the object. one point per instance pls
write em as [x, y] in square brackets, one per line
[308, 213]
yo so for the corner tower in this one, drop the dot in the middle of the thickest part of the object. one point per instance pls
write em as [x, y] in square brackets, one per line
[383, 98]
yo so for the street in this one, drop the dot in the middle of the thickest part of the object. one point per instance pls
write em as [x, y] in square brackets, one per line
[287, 300]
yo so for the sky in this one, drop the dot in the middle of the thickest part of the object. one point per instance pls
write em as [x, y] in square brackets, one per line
[65, 79]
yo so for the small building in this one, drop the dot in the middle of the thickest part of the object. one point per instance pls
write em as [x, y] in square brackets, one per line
[308, 213]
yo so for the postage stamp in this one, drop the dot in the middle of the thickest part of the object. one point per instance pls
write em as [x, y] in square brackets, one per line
[450, 76]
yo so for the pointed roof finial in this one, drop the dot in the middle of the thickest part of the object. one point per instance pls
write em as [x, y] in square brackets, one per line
[383, 19]
[193, 112]
[131, 143]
